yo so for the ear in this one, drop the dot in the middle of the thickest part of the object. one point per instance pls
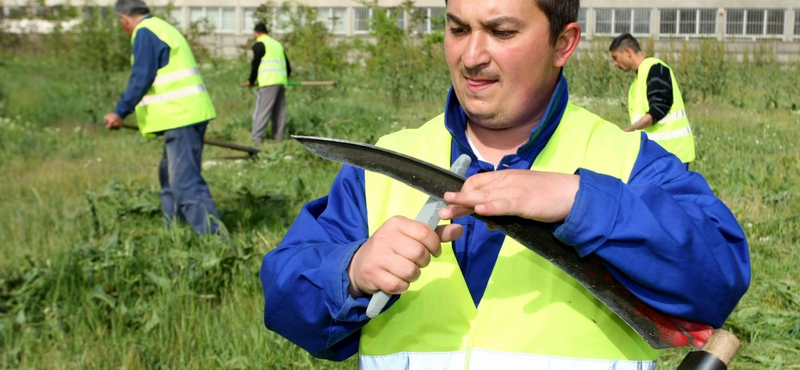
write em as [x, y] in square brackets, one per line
[629, 52]
[566, 44]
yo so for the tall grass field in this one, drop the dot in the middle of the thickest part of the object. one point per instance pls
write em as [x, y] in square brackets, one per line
[91, 277]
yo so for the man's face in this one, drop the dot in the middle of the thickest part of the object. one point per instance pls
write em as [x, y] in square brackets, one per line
[127, 24]
[501, 62]
[623, 59]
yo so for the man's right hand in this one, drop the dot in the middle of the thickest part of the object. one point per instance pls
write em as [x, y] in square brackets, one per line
[247, 84]
[113, 121]
[392, 258]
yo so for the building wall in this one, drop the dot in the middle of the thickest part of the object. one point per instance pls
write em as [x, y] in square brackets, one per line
[741, 23]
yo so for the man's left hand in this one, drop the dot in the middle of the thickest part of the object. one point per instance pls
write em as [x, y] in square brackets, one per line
[113, 121]
[535, 195]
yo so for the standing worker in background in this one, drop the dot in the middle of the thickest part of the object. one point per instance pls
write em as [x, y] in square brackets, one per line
[473, 297]
[655, 103]
[270, 69]
[170, 100]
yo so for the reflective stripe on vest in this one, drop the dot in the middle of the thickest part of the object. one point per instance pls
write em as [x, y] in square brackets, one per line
[669, 118]
[272, 69]
[531, 309]
[174, 76]
[480, 359]
[662, 136]
[177, 97]
[172, 95]
[671, 132]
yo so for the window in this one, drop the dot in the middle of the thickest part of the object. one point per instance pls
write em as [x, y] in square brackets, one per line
[429, 19]
[220, 19]
[362, 17]
[689, 22]
[196, 14]
[775, 21]
[227, 20]
[754, 22]
[175, 15]
[582, 21]
[617, 21]
[248, 23]
[797, 21]
[277, 21]
[334, 18]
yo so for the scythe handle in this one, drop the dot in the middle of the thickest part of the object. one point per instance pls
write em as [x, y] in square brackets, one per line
[717, 354]
[223, 144]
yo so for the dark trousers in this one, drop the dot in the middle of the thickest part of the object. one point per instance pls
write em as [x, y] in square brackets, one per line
[184, 192]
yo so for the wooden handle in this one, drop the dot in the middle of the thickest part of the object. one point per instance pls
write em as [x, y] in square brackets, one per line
[724, 345]
[223, 144]
[718, 352]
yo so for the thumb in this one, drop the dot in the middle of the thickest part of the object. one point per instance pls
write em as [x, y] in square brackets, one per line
[448, 233]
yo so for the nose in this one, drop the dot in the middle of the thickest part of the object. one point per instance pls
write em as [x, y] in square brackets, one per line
[476, 53]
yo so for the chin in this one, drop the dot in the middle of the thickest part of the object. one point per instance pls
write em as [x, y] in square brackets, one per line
[483, 118]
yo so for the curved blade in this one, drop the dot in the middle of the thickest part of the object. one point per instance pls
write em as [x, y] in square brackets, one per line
[658, 329]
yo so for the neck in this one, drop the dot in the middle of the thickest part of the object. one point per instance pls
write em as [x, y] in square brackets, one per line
[494, 144]
[638, 58]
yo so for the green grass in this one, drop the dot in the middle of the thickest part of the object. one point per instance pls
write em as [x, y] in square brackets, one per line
[91, 278]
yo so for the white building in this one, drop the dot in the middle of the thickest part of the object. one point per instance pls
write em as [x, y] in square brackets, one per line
[740, 22]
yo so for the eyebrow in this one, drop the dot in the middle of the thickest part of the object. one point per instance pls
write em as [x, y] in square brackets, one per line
[491, 23]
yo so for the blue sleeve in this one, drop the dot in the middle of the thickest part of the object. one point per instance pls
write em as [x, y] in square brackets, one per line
[305, 278]
[149, 55]
[664, 235]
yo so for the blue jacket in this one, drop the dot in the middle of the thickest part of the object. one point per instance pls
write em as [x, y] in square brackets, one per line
[149, 55]
[658, 234]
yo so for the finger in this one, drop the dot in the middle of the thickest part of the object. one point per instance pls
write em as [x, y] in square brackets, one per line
[448, 233]
[480, 180]
[452, 211]
[397, 277]
[505, 206]
[413, 251]
[471, 198]
[423, 234]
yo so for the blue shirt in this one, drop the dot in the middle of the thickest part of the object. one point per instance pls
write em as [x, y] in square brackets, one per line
[149, 55]
[664, 235]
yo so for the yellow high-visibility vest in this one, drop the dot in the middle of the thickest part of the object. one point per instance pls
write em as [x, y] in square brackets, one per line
[272, 70]
[532, 314]
[673, 131]
[178, 97]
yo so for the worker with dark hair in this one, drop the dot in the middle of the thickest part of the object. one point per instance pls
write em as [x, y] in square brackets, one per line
[170, 99]
[468, 296]
[655, 102]
[270, 71]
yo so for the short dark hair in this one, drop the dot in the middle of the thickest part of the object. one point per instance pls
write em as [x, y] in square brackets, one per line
[625, 41]
[560, 13]
[261, 28]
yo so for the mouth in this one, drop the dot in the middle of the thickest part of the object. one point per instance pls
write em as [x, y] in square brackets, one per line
[478, 84]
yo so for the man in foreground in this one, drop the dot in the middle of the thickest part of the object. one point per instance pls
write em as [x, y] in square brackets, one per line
[170, 100]
[655, 103]
[485, 301]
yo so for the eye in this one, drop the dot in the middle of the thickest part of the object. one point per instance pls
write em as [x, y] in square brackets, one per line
[503, 34]
[457, 30]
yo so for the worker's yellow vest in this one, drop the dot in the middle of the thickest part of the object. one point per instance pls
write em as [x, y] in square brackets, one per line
[272, 70]
[673, 131]
[532, 314]
[177, 97]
